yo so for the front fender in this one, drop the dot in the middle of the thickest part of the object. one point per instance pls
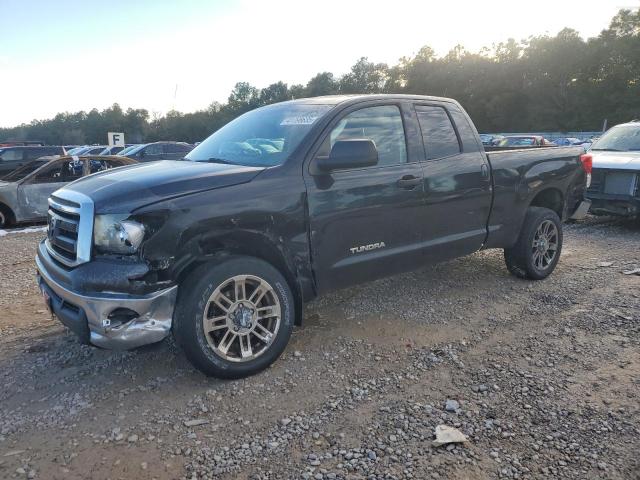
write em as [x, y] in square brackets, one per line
[249, 219]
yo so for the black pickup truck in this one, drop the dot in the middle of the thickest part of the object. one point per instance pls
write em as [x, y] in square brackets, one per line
[283, 204]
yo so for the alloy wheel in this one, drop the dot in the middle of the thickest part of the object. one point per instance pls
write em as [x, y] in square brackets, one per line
[545, 244]
[242, 318]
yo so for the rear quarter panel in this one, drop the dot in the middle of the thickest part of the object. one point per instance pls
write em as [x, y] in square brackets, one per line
[519, 176]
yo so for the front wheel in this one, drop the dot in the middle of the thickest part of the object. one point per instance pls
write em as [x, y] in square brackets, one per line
[537, 251]
[234, 319]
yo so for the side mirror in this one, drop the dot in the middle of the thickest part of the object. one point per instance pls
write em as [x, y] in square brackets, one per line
[141, 153]
[356, 153]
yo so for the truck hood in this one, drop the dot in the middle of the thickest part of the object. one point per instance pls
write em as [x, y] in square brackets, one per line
[616, 160]
[125, 189]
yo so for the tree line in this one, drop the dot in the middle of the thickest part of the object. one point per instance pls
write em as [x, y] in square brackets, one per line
[543, 83]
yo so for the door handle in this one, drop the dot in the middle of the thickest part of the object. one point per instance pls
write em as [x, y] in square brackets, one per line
[409, 182]
[485, 171]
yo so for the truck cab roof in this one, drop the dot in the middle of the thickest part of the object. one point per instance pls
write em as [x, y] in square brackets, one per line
[355, 98]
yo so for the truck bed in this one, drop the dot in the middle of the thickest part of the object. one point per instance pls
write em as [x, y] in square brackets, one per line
[515, 173]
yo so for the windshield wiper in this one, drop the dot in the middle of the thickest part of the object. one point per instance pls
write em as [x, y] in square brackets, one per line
[608, 149]
[218, 160]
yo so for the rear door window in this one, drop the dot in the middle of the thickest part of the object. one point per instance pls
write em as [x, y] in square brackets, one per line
[439, 136]
[34, 153]
[11, 155]
[466, 132]
[172, 148]
[155, 149]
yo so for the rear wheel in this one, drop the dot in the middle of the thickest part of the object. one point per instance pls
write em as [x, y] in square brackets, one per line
[234, 319]
[537, 251]
[6, 217]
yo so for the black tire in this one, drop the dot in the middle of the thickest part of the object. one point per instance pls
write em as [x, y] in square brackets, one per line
[193, 298]
[6, 217]
[521, 259]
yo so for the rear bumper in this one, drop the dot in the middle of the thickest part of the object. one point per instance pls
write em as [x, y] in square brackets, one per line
[93, 317]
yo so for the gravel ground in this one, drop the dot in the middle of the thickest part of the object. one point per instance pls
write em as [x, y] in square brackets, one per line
[542, 377]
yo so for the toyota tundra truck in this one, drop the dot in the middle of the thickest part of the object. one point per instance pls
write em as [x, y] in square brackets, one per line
[285, 203]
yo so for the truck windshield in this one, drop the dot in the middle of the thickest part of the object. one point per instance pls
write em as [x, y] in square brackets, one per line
[263, 137]
[620, 139]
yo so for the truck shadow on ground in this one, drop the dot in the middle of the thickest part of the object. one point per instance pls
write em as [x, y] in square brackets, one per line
[55, 358]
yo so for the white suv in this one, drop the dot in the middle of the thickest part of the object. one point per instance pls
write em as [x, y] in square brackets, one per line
[615, 182]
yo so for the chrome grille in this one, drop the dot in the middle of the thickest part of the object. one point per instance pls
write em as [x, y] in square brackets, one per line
[614, 182]
[620, 183]
[63, 232]
[70, 231]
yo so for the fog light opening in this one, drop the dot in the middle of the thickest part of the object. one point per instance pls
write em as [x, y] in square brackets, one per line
[119, 317]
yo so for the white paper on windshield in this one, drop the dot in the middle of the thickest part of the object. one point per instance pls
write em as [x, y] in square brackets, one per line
[306, 119]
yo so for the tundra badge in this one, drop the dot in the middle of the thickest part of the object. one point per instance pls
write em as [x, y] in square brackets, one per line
[366, 248]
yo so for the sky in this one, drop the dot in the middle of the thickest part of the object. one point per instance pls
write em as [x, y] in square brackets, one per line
[71, 55]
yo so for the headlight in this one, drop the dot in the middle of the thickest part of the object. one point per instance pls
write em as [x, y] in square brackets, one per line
[116, 234]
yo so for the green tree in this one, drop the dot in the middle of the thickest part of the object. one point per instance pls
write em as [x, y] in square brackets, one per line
[365, 77]
[322, 84]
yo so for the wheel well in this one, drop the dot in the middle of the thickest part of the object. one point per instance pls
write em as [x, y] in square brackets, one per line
[254, 247]
[8, 213]
[550, 198]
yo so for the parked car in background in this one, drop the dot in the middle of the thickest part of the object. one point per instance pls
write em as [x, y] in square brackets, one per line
[88, 150]
[490, 139]
[615, 181]
[75, 150]
[24, 192]
[572, 142]
[12, 158]
[523, 141]
[150, 152]
[127, 149]
[486, 139]
[112, 150]
[567, 141]
[24, 143]
[288, 202]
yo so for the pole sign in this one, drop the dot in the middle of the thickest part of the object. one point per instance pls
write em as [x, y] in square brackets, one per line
[116, 139]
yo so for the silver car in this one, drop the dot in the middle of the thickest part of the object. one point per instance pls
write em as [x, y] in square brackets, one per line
[24, 192]
[615, 181]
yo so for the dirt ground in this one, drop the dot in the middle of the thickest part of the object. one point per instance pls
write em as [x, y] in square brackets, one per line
[542, 377]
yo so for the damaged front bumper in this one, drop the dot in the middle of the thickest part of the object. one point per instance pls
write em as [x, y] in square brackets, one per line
[612, 204]
[110, 320]
[615, 191]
